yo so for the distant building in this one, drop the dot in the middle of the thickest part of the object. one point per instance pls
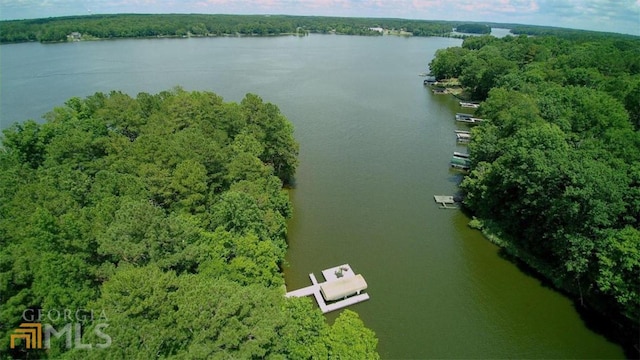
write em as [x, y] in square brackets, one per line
[378, 29]
[75, 36]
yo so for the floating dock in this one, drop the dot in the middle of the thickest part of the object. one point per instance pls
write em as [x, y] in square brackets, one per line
[468, 118]
[471, 105]
[460, 163]
[340, 282]
[429, 80]
[445, 200]
[463, 116]
[463, 136]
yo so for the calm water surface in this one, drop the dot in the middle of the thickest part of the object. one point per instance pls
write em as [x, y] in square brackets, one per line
[375, 146]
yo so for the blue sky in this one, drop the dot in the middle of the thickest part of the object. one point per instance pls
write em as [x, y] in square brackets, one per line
[621, 16]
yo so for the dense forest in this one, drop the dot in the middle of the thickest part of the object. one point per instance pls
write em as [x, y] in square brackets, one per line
[555, 174]
[165, 214]
[177, 25]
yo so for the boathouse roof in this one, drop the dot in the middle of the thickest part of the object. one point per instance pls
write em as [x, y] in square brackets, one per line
[342, 287]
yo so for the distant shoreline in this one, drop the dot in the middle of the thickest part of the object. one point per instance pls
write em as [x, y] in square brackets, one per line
[127, 26]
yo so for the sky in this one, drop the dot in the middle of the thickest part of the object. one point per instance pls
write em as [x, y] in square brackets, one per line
[622, 16]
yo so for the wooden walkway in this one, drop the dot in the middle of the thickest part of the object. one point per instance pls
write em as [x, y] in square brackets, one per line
[314, 289]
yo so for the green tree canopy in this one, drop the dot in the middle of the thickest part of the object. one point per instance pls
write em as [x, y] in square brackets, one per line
[554, 167]
[166, 212]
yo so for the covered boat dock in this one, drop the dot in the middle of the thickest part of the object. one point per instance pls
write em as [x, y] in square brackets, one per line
[341, 289]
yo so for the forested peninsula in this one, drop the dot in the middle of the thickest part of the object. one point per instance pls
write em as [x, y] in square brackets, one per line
[555, 166]
[165, 214]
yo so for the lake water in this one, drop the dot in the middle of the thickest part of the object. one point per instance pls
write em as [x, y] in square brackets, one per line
[375, 146]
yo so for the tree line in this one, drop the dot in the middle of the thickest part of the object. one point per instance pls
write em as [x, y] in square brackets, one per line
[179, 25]
[573, 34]
[555, 173]
[111, 26]
[166, 212]
[474, 28]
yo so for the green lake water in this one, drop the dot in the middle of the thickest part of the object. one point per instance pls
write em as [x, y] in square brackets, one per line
[374, 149]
